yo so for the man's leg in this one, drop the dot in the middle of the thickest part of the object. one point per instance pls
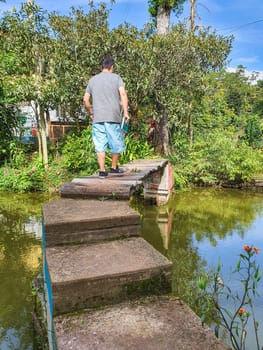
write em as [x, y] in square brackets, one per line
[99, 138]
[114, 160]
[116, 145]
[101, 160]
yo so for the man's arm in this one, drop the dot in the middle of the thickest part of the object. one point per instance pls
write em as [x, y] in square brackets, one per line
[124, 101]
[87, 104]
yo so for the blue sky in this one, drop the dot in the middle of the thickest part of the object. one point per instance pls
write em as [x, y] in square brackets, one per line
[242, 18]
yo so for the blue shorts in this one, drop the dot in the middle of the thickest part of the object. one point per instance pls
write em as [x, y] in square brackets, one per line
[108, 134]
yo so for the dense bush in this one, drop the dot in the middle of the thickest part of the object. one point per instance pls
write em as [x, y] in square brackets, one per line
[78, 152]
[214, 159]
[25, 178]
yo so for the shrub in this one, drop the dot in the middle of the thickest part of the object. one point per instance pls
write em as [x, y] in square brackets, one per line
[216, 158]
[23, 179]
[78, 152]
[136, 148]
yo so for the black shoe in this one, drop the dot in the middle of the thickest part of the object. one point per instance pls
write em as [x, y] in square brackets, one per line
[103, 174]
[116, 171]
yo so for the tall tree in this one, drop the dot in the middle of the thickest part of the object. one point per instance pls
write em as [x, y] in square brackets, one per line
[160, 11]
[27, 38]
[77, 55]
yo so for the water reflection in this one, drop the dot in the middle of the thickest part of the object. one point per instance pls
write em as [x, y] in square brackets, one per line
[199, 227]
[20, 262]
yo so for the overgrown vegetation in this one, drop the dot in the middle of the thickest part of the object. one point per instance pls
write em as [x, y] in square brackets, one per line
[231, 310]
[207, 121]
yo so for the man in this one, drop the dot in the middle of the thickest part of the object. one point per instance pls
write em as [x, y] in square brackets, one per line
[107, 92]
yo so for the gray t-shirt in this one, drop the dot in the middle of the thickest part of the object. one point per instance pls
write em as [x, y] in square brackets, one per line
[104, 89]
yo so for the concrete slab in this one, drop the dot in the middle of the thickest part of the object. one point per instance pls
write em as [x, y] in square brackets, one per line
[98, 274]
[69, 221]
[153, 324]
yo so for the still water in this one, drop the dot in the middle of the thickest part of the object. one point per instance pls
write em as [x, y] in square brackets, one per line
[194, 230]
[20, 263]
[202, 226]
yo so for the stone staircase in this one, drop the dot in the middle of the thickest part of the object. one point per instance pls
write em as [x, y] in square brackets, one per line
[115, 267]
[106, 287]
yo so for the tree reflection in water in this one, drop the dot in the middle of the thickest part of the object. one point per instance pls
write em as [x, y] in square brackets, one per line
[20, 263]
[207, 225]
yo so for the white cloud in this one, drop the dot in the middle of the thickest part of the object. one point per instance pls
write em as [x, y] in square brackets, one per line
[253, 76]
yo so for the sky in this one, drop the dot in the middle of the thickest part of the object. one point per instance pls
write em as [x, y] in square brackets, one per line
[241, 18]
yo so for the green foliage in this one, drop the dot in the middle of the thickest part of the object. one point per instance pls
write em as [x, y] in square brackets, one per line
[136, 148]
[215, 158]
[171, 5]
[237, 91]
[26, 178]
[55, 175]
[78, 54]
[8, 123]
[254, 132]
[231, 310]
[78, 152]
[17, 155]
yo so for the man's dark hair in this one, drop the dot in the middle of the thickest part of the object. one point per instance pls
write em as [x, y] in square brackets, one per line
[107, 62]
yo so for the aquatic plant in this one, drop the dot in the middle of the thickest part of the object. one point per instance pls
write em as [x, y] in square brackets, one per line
[230, 311]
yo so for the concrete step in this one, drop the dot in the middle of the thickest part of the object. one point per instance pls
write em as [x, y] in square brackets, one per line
[152, 324]
[72, 221]
[87, 276]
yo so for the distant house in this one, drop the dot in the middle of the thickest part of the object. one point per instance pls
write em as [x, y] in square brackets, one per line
[56, 127]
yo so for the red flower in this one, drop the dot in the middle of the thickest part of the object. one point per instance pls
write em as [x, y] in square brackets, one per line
[256, 250]
[241, 311]
[247, 248]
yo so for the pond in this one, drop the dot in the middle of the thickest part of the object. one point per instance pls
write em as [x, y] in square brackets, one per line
[194, 230]
[202, 226]
[20, 263]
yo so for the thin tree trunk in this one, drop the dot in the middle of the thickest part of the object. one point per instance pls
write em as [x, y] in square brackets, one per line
[192, 17]
[190, 124]
[190, 117]
[162, 145]
[43, 134]
[162, 137]
[40, 114]
[38, 133]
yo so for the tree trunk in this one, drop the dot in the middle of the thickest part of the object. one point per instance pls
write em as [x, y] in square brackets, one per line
[162, 137]
[43, 133]
[163, 20]
[162, 140]
[38, 133]
[190, 117]
[190, 124]
[192, 17]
